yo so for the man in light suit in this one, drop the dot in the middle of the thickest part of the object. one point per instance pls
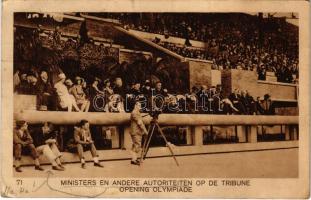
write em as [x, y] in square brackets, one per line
[137, 131]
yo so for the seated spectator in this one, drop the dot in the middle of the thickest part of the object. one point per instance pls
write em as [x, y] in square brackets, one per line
[78, 93]
[146, 92]
[95, 87]
[32, 83]
[251, 104]
[66, 101]
[69, 85]
[45, 92]
[227, 104]
[146, 89]
[119, 88]
[22, 141]
[171, 104]
[245, 102]
[94, 93]
[86, 89]
[135, 90]
[258, 108]
[191, 106]
[114, 104]
[158, 96]
[16, 79]
[235, 98]
[84, 142]
[45, 142]
[22, 87]
[107, 88]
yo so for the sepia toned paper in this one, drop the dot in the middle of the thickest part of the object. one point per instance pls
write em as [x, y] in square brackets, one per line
[243, 169]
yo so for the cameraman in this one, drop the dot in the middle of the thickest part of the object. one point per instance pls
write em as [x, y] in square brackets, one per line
[138, 129]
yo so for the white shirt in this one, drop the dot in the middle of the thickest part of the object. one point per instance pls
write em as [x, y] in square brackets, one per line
[63, 94]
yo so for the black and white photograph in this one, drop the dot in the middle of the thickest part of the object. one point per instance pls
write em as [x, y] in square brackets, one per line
[152, 104]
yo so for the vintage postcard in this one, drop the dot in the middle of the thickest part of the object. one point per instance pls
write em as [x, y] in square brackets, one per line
[155, 99]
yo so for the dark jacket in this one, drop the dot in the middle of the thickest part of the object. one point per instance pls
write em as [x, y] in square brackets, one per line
[23, 87]
[43, 87]
[22, 139]
[120, 91]
[39, 137]
[268, 107]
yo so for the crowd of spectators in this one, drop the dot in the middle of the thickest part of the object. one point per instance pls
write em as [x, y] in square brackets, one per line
[284, 69]
[263, 45]
[57, 90]
[113, 96]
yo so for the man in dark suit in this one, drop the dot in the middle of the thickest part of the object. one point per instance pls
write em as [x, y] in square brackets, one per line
[22, 141]
[268, 105]
[235, 98]
[84, 142]
[118, 88]
[45, 91]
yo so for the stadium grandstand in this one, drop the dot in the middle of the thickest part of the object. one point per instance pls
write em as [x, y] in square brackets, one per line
[215, 64]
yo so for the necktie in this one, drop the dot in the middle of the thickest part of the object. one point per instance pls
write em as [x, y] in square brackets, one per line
[83, 136]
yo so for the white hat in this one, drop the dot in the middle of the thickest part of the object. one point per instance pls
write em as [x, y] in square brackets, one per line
[62, 76]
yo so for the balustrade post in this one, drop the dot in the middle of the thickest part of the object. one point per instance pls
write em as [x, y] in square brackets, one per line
[197, 135]
[189, 136]
[241, 133]
[252, 134]
[295, 132]
[287, 133]
[115, 137]
[127, 142]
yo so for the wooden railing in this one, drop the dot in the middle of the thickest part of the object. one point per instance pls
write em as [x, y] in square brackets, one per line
[246, 124]
[246, 128]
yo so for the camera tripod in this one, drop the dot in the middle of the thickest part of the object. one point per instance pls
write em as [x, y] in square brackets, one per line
[152, 128]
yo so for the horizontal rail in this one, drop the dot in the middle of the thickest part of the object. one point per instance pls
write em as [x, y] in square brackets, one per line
[101, 118]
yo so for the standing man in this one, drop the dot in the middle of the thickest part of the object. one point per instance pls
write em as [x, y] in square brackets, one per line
[84, 142]
[138, 129]
[268, 105]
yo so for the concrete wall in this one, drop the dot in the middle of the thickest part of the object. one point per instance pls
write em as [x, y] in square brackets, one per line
[247, 80]
[25, 102]
[277, 90]
[200, 73]
[215, 77]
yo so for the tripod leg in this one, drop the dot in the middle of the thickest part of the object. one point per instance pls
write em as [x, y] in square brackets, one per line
[146, 138]
[144, 144]
[171, 150]
[148, 142]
